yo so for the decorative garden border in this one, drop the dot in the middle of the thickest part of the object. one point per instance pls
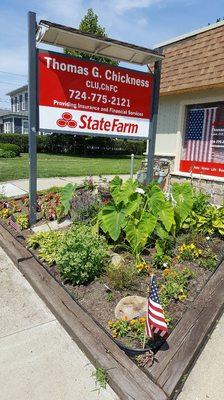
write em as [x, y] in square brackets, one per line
[173, 360]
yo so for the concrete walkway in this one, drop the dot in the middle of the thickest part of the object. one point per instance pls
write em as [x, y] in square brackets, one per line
[38, 360]
[20, 187]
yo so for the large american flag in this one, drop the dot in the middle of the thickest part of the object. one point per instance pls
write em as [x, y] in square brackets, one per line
[155, 320]
[198, 136]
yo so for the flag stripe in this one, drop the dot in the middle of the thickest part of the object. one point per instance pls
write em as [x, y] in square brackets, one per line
[155, 321]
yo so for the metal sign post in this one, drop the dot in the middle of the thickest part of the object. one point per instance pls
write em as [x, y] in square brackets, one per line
[153, 123]
[32, 115]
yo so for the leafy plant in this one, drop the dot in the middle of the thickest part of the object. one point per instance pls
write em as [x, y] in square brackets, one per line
[85, 206]
[5, 213]
[22, 220]
[210, 223]
[175, 285]
[101, 377]
[48, 243]
[161, 261]
[138, 213]
[134, 328]
[188, 252]
[81, 255]
[208, 260]
[122, 275]
[8, 150]
[66, 196]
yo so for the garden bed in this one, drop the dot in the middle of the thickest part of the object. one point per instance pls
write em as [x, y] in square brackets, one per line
[186, 262]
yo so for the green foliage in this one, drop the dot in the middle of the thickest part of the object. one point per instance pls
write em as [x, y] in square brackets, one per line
[8, 150]
[66, 196]
[85, 206]
[22, 220]
[81, 255]
[101, 377]
[89, 24]
[134, 329]
[142, 213]
[208, 260]
[182, 195]
[201, 201]
[122, 275]
[47, 243]
[211, 222]
[161, 261]
[175, 285]
[188, 252]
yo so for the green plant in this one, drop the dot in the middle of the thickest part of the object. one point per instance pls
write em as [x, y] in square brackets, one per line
[85, 206]
[81, 255]
[175, 285]
[101, 377]
[188, 252]
[110, 296]
[134, 328]
[122, 275]
[161, 261]
[210, 223]
[66, 196]
[22, 219]
[8, 150]
[201, 201]
[208, 260]
[138, 213]
[5, 213]
[48, 243]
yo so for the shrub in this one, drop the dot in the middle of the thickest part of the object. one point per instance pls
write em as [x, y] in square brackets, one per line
[8, 150]
[85, 205]
[122, 275]
[70, 144]
[48, 243]
[81, 255]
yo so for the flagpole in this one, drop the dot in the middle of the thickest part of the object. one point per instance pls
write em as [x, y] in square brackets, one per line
[144, 340]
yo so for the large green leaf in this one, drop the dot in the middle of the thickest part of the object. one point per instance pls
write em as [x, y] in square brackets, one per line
[166, 215]
[133, 204]
[123, 193]
[183, 198]
[112, 219]
[138, 231]
[156, 199]
[115, 185]
[66, 195]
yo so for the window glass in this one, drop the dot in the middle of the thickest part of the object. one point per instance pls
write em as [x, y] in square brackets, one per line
[203, 142]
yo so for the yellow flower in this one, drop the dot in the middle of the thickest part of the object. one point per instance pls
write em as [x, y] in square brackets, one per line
[132, 322]
[114, 333]
[166, 272]
[142, 320]
[182, 297]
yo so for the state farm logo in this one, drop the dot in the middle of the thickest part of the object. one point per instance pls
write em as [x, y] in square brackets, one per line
[66, 120]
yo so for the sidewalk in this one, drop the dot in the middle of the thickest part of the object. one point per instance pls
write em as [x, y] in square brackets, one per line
[39, 361]
[20, 187]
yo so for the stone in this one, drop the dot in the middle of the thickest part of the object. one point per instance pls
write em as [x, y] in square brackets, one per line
[116, 259]
[52, 226]
[131, 307]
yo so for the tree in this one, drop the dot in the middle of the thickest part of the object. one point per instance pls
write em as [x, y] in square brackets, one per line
[89, 24]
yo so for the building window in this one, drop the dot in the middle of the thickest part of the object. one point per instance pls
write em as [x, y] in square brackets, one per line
[13, 104]
[25, 126]
[203, 142]
[7, 127]
[23, 102]
[17, 103]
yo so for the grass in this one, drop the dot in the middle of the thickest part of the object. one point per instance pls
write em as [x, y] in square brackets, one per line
[52, 165]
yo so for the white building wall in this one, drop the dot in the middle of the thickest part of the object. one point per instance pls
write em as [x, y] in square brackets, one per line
[171, 120]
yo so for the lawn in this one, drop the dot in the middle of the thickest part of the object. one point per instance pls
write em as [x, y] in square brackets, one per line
[50, 165]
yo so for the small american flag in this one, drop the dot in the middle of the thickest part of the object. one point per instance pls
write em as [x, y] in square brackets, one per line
[155, 320]
[198, 136]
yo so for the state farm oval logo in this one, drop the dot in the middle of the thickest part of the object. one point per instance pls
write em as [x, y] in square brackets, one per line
[66, 120]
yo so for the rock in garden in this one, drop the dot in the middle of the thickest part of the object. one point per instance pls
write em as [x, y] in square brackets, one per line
[131, 307]
[116, 259]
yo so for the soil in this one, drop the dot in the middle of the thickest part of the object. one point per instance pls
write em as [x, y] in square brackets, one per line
[99, 298]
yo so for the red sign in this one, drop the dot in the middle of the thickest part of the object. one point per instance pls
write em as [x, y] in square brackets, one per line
[203, 168]
[99, 98]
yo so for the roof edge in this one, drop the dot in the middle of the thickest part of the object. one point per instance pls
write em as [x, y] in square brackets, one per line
[187, 35]
[19, 89]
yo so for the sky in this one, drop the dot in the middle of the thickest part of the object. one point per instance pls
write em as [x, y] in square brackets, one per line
[142, 22]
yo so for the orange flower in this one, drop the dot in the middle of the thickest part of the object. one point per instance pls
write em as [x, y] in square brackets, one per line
[142, 320]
